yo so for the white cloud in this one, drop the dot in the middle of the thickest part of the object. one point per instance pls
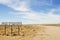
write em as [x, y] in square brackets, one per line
[23, 5]
[30, 16]
[41, 18]
[20, 6]
[16, 4]
[4, 1]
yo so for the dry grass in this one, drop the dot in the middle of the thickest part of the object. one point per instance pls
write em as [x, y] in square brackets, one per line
[24, 30]
[31, 32]
[50, 24]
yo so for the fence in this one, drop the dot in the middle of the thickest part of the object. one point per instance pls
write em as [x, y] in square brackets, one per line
[10, 30]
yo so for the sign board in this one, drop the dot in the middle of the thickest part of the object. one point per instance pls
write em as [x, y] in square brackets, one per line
[11, 23]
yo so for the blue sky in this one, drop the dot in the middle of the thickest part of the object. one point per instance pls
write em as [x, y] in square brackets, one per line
[30, 11]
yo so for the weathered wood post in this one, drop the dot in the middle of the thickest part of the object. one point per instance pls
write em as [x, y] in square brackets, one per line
[18, 30]
[5, 29]
[11, 30]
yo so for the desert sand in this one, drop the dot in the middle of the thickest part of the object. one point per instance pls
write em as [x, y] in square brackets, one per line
[35, 32]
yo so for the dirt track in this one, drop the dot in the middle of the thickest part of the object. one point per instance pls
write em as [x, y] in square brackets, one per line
[47, 33]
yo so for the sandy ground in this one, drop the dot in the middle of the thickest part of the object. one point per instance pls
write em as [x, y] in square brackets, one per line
[46, 33]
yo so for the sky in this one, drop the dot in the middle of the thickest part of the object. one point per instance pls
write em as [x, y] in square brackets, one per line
[30, 11]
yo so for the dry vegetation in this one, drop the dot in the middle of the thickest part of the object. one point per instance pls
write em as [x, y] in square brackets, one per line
[31, 32]
[50, 24]
[24, 30]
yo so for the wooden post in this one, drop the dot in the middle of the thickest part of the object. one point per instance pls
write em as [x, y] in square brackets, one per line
[5, 29]
[18, 30]
[11, 30]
